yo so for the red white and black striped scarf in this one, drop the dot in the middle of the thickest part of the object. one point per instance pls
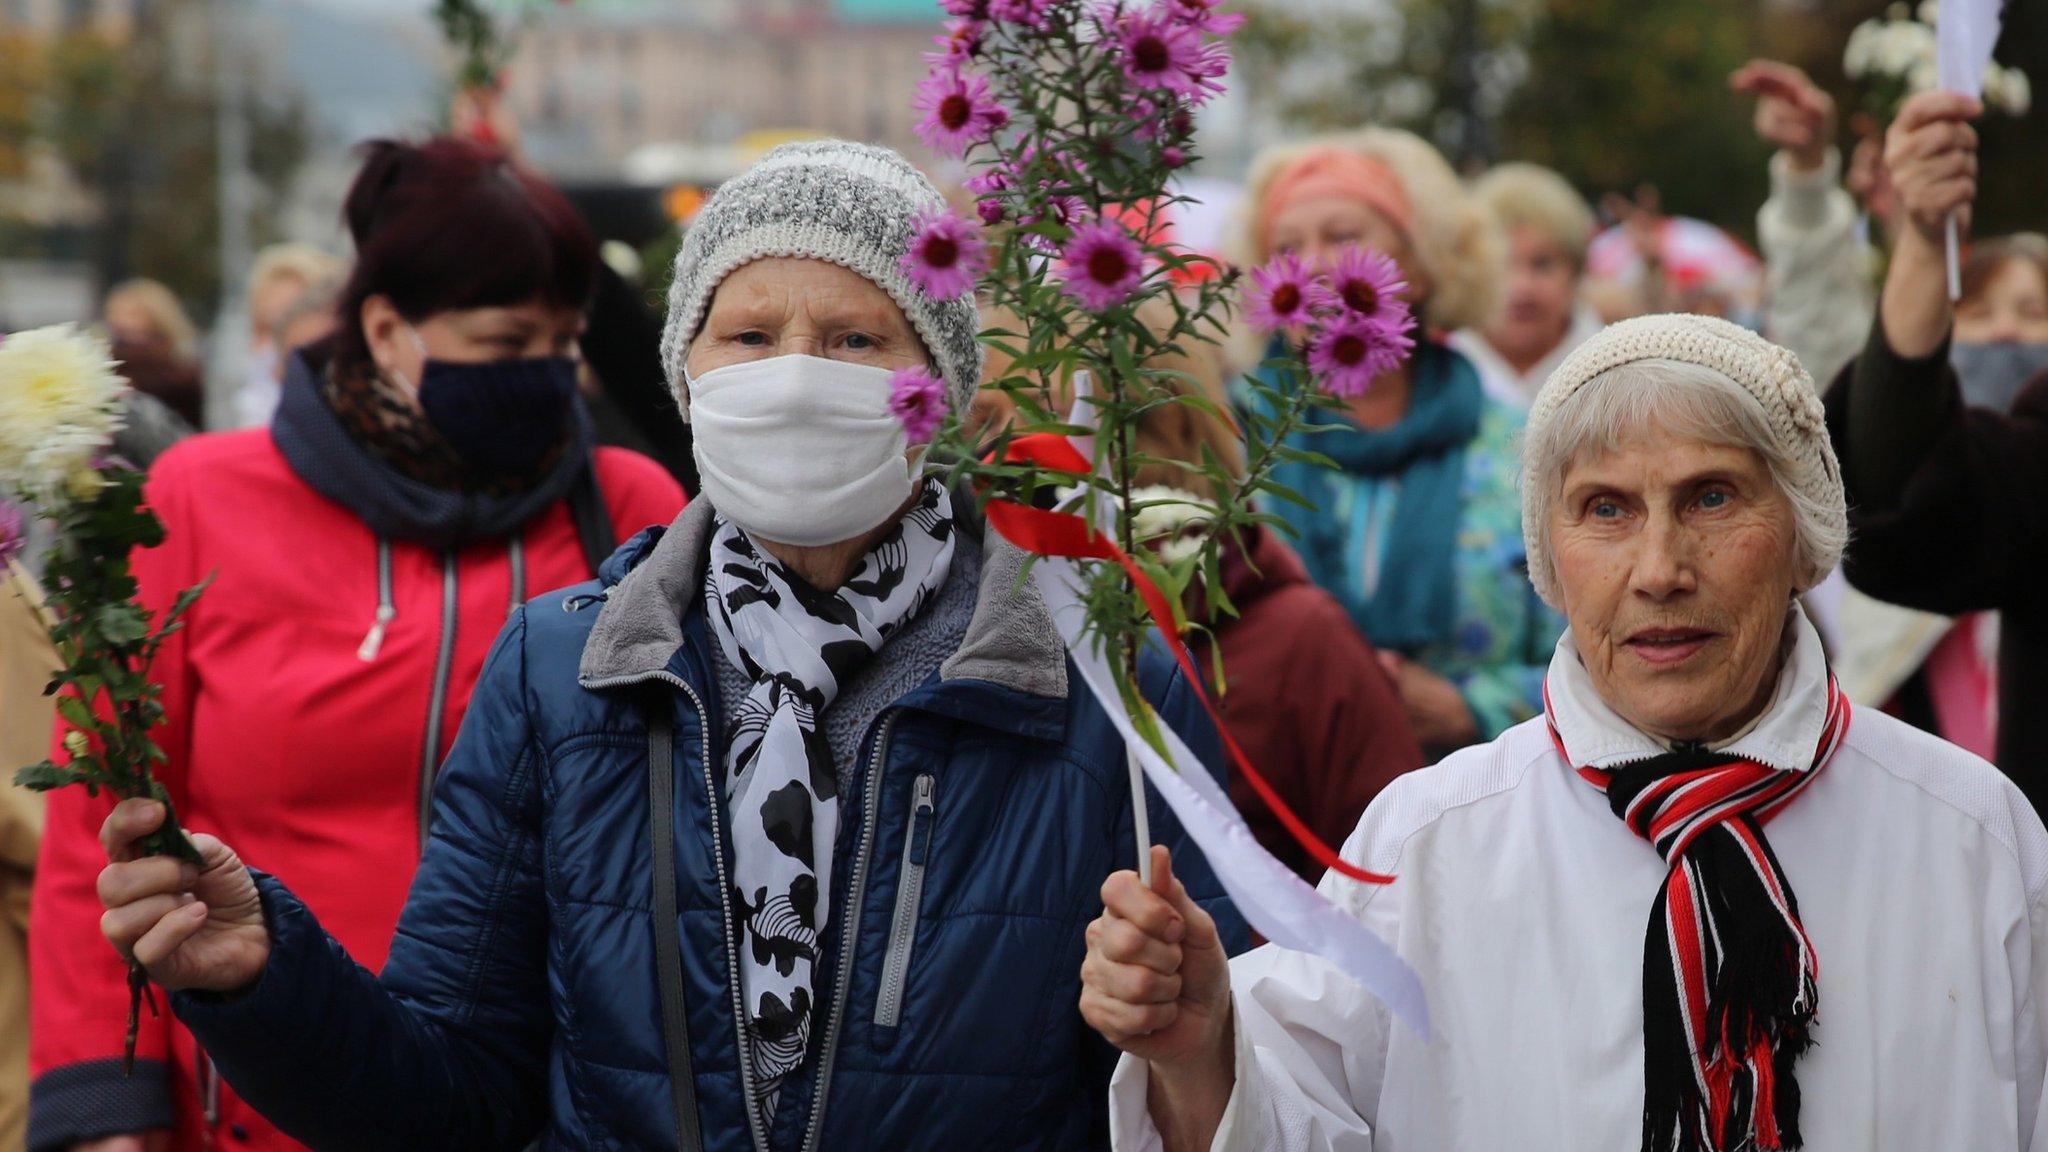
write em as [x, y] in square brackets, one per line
[1729, 975]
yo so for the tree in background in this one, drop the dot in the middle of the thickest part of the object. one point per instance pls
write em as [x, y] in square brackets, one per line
[137, 124]
[1613, 93]
[1621, 93]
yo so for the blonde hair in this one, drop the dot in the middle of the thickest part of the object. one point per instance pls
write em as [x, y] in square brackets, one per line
[1457, 240]
[1536, 197]
[161, 305]
[298, 261]
[1167, 432]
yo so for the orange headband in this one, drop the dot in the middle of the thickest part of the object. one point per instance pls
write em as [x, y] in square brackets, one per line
[1334, 171]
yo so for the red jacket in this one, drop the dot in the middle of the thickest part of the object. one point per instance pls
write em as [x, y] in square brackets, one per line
[1307, 699]
[289, 735]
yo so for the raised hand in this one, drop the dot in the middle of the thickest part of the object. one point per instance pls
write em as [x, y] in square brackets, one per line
[1930, 154]
[188, 927]
[1793, 114]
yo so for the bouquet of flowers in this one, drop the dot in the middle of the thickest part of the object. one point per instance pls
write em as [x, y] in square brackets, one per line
[1073, 116]
[60, 405]
[1893, 56]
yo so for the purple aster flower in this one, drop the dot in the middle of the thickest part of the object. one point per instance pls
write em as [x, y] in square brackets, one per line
[1158, 52]
[959, 111]
[918, 401]
[1101, 265]
[1280, 294]
[1202, 16]
[1362, 282]
[960, 42]
[1173, 156]
[13, 531]
[966, 9]
[1029, 13]
[946, 255]
[1207, 74]
[1349, 352]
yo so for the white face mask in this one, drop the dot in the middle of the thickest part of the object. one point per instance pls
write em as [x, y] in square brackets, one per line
[798, 449]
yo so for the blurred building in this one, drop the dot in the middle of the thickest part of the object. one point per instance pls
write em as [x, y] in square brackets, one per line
[658, 91]
[108, 17]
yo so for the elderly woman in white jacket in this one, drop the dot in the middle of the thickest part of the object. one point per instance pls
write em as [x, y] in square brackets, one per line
[1696, 905]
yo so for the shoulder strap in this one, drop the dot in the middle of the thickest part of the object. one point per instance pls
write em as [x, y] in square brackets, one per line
[668, 944]
[592, 519]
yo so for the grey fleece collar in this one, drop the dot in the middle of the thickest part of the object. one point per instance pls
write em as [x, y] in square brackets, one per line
[1010, 641]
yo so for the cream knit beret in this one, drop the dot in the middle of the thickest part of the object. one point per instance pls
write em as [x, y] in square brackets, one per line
[1770, 374]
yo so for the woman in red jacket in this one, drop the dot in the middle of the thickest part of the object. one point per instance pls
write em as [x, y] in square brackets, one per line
[429, 468]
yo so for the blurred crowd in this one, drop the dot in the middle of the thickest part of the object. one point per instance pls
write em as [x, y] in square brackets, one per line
[472, 407]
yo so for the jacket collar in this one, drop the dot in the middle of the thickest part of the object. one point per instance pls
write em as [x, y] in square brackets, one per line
[1010, 641]
[1784, 737]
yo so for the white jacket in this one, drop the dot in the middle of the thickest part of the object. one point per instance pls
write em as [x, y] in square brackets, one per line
[1522, 902]
[1822, 294]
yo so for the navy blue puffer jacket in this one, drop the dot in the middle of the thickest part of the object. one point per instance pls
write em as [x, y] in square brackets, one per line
[521, 996]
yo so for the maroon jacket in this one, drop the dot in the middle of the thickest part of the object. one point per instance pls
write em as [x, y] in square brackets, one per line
[1306, 698]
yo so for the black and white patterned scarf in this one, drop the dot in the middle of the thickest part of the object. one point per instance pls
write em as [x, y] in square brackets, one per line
[799, 646]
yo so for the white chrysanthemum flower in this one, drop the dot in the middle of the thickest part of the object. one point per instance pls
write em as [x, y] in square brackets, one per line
[60, 405]
[1923, 77]
[2019, 92]
[2007, 90]
[1170, 519]
[1861, 51]
[1929, 12]
[1904, 49]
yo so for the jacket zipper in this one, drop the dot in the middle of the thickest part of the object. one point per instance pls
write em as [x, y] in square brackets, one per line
[437, 704]
[732, 948]
[209, 1095]
[917, 840]
[515, 551]
[387, 606]
[849, 931]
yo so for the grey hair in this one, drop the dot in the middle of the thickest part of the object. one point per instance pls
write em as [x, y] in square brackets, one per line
[1687, 400]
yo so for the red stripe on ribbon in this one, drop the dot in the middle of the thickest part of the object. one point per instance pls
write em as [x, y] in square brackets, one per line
[1069, 537]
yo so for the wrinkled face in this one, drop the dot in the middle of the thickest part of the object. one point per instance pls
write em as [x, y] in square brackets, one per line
[788, 306]
[1543, 284]
[2013, 306]
[1676, 561]
[1317, 229]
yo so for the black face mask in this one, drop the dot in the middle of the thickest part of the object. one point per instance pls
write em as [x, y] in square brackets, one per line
[501, 416]
[1993, 373]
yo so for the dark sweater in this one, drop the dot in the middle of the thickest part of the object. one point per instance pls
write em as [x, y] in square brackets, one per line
[1949, 510]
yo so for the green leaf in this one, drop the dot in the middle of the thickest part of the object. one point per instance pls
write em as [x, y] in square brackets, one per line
[45, 777]
[76, 713]
[122, 623]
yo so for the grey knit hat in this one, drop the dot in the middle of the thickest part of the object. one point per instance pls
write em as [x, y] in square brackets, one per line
[850, 204]
[1770, 374]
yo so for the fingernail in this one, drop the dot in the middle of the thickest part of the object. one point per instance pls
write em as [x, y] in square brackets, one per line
[188, 875]
[1175, 931]
[185, 898]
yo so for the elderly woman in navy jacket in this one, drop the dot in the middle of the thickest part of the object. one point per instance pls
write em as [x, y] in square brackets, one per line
[783, 834]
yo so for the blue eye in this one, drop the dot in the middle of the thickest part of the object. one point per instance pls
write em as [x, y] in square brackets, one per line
[1606, 510]
[1714, 499]
[860, 341]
